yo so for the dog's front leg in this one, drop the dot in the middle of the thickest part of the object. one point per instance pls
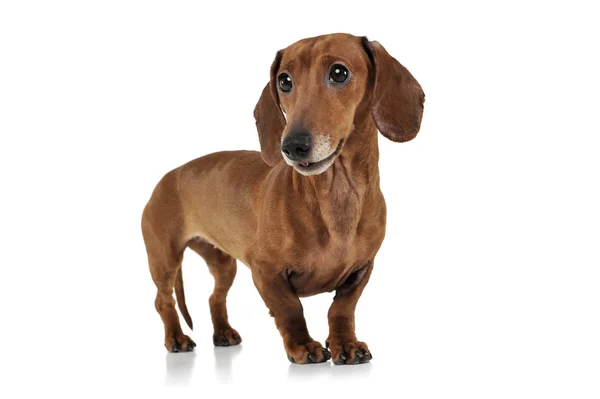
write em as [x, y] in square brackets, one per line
[342, 342]
[279, 296]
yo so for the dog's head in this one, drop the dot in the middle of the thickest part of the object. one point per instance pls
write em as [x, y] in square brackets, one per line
[308, 109]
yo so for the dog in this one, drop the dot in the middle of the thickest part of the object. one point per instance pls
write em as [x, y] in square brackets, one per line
[306, 213]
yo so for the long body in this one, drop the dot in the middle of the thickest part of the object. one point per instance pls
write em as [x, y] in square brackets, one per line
[321, 228]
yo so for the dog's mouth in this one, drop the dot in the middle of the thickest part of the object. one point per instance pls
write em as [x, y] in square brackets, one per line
[310, 168]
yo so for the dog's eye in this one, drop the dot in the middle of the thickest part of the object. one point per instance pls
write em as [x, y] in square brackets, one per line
[338, 73]
[285, 82]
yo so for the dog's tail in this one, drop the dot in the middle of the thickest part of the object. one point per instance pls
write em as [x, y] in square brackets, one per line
[180, 295]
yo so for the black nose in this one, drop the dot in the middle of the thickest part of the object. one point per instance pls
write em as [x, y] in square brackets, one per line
[297, 146]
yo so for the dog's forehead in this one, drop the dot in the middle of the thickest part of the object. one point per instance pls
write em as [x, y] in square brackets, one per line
[336, 47]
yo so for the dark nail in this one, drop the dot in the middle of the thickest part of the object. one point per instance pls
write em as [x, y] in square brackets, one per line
[311, 358]
[326, 354]
[359, 354]
[366, 357]
[291, 359]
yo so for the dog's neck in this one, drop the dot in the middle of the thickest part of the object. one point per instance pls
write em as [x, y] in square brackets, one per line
[340, 192]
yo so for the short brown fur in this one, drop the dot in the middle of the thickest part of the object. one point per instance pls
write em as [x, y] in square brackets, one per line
[300, 235]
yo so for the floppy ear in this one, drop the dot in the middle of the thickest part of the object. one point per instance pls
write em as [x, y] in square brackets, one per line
[269, 119]
[397, 98]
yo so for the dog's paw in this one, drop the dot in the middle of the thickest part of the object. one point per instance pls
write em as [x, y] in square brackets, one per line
[348, 351]
[180, 343]
[226, 337]
[311, 352]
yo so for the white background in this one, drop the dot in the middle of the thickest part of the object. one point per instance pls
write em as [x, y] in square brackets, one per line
[486, 286]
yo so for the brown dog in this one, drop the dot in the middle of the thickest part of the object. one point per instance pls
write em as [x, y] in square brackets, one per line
[308, 216]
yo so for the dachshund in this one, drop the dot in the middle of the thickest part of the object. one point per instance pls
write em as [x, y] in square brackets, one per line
[306, 213]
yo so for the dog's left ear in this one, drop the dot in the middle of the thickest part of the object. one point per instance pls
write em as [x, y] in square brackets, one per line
[269, 119]
[397, 98]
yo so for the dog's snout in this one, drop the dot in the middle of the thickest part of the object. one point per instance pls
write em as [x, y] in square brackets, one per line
[297, 146]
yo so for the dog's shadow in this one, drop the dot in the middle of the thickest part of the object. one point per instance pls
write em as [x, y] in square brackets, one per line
[327, 371]
[180, 368]
[224, 357]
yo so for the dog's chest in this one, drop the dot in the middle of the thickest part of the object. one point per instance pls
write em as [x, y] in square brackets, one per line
[325, 268]
[322, 245]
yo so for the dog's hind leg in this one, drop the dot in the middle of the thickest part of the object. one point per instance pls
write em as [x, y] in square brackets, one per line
[223, 268]
[161, 226]
[164, 268]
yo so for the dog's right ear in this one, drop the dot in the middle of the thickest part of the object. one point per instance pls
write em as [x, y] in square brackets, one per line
[269, 118]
